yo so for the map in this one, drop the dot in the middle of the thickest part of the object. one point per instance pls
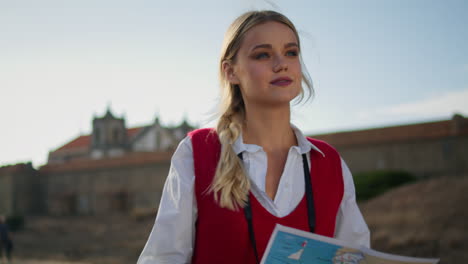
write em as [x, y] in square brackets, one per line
[293, 246]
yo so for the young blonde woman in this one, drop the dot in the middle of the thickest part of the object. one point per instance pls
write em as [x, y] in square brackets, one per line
[228, 187]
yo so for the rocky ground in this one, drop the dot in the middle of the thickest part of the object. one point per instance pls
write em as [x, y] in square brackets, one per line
[423, 219]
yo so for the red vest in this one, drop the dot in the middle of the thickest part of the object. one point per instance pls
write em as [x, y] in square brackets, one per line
[222, 235]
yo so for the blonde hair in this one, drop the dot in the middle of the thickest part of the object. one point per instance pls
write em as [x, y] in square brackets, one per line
[231, 185]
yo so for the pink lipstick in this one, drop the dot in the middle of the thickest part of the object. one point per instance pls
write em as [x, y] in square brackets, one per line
[281, 81]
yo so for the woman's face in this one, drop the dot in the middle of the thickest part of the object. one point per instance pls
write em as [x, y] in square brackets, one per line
[267, 66]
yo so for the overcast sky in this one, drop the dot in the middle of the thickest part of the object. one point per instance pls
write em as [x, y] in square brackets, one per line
[373, 63]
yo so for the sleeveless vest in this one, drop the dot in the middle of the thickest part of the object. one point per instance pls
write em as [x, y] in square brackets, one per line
[222, 235]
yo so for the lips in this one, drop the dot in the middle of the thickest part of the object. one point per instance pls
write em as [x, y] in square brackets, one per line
[281, 81]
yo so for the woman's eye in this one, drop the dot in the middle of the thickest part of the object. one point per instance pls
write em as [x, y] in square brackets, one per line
[262, 55]
[292, 53]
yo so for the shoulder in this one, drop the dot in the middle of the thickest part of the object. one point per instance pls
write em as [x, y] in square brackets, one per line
[201, 132]
[183, 152]
[204, 137]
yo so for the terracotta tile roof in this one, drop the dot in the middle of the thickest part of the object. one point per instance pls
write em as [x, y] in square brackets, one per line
[126, 160]
[422, 131]
[85, 140]
[79, 142]
[131, 132]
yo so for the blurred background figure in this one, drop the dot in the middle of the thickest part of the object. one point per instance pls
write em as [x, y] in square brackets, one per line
[6, 244]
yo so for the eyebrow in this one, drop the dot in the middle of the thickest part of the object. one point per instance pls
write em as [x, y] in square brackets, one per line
[269, 46]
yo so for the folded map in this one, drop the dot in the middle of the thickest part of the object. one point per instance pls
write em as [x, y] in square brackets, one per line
[292, 246]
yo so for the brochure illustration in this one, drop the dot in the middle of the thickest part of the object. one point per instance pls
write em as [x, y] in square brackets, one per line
[292, 246]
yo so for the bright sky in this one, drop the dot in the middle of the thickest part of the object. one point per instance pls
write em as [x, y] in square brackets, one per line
[374, 63]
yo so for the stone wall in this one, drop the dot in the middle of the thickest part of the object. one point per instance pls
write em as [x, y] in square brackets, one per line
[114, 187]
[6, 194]
[430, 149]
[20, 190]
[423, 158]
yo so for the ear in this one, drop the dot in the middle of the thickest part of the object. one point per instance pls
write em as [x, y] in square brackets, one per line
[229, 73]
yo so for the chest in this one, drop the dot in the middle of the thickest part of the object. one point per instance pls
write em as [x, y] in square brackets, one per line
[283, 173]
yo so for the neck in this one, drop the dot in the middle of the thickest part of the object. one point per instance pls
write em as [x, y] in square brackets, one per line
[269, 128]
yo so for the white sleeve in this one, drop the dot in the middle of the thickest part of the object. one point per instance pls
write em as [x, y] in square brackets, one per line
[350, 225]
[172, 237]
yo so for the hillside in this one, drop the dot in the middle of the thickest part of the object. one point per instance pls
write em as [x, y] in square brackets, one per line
[423, 219]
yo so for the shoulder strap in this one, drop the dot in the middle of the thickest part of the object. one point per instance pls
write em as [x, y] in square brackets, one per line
[248, 217]
[308, 192]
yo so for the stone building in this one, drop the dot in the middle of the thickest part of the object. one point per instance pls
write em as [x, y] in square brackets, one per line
[426, 150]
[110, 138]
[117, 169]
[114, 169]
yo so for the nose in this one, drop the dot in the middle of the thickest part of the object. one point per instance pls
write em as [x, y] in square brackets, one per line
[280, 64]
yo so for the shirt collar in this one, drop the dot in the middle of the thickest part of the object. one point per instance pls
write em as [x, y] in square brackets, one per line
[304, 145]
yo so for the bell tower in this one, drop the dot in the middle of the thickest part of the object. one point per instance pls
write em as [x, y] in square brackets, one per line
[109, 137]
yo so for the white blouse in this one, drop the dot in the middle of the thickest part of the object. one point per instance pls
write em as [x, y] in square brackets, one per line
[172, 237]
